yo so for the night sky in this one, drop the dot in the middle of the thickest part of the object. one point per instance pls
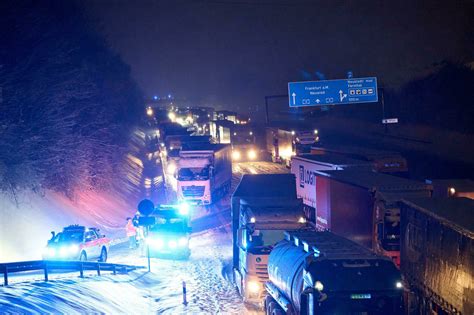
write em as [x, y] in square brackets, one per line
[233, 53]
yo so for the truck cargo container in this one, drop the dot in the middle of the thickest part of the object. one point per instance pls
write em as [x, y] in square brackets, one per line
[305, 166]
[204, 172]
[437, 254]
[284, 141]
[322, 273]
[361, 205]
[263, 207]
[382, 161]
[452, 187]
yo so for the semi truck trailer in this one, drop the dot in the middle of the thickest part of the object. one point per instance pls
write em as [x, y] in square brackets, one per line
[358, 204]
[263, 207]
[382, 161]
[314, 272]
[283, 142]
[437, 251]
[305, 166]
[204, 172]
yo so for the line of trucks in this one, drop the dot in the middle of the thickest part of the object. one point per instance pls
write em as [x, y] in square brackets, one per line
[202, 170]
[346, 259]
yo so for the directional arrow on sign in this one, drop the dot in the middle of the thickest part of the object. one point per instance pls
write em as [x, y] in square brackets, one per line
[294, 98]
[342, 96]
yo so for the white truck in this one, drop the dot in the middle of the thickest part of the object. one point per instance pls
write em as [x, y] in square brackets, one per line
[263, 207]
[204, 172]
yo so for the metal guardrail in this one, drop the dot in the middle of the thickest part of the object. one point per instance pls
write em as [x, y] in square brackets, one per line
[65, 266]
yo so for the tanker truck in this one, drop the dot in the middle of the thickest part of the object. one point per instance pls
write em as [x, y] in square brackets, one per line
[314, 272]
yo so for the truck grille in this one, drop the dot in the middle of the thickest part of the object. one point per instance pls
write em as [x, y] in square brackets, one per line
[262, 272]
[193, 191]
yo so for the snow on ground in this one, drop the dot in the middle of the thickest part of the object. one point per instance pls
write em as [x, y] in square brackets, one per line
[206, 274]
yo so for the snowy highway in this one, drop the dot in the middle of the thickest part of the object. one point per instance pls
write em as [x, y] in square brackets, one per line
[207, 274]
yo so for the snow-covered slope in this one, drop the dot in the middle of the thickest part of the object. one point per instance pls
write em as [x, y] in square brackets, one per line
[25, 227]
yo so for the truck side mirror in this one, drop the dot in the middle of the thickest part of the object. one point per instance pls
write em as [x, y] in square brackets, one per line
[53, 235]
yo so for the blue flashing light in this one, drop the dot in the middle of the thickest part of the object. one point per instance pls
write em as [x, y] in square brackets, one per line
[169, 95]
[155, 97]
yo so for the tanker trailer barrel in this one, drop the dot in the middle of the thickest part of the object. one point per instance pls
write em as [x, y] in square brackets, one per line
[285, 269]
[323, 273]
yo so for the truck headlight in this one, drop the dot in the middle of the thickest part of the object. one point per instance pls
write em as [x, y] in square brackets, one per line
[251, 154]
[253, 287]
[155, 242]
[236, 155]
[301, 220]
[171, 169]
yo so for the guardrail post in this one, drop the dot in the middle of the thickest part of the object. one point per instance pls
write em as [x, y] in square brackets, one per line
[46, 272]
[98, 269]
[5, 276]
[81, 270]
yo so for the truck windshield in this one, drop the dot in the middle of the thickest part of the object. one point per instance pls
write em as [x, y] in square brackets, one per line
[174, 226]
[237, 140]
[265, 238]
[193, 174]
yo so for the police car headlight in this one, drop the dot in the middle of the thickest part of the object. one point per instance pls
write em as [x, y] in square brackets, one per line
[182, 241]
[183, 208]
[73, 249]
[63, 251]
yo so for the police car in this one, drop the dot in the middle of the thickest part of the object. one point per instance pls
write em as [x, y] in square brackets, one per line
[77, 242]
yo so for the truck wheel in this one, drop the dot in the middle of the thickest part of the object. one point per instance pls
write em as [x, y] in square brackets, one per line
[103, 255]
[83, 256]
